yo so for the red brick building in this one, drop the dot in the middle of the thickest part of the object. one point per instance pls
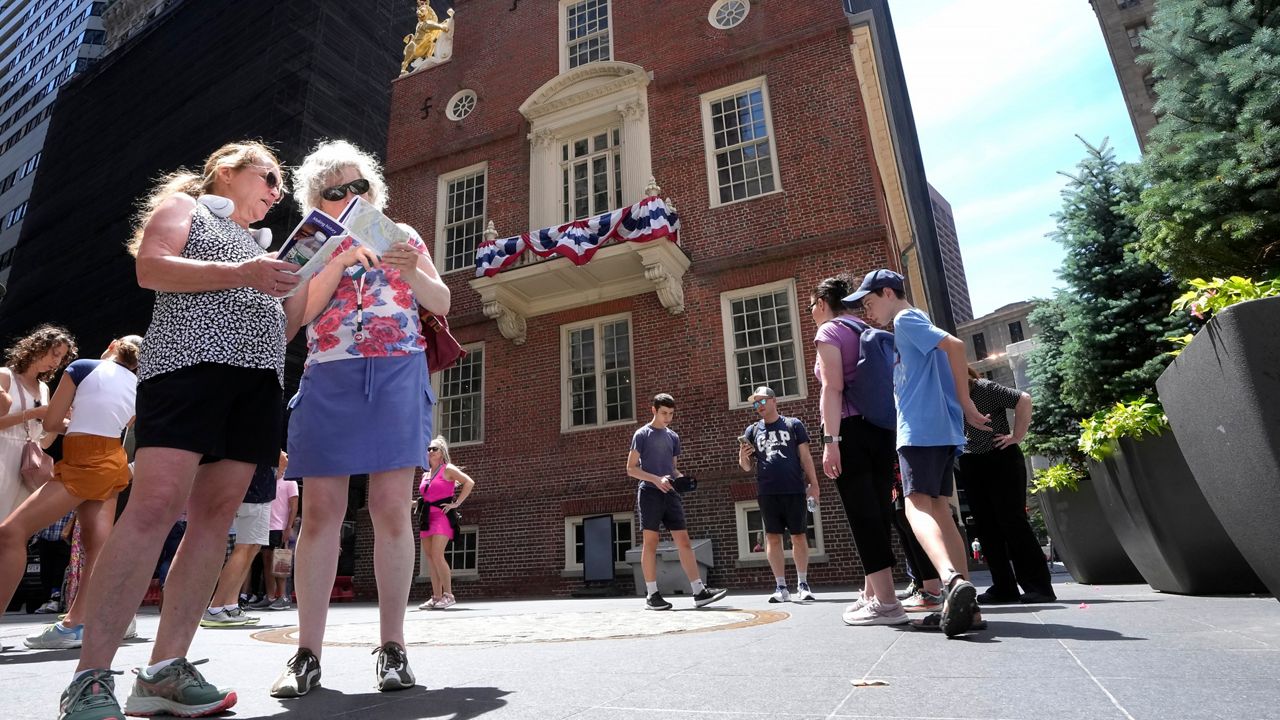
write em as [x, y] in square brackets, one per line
[782, 135]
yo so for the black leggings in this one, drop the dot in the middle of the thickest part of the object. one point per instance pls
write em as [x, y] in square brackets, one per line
[996, 485]
[866, 489]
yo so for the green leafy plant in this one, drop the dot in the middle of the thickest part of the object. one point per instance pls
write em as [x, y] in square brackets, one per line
[1207, 297]
[1131, 419]
[1063, 477]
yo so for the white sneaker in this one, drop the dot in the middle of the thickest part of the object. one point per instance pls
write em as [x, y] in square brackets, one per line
[780, 595]
[430, 604]
[446, 601]
[874, 613]
[856, 605]
[803, 593]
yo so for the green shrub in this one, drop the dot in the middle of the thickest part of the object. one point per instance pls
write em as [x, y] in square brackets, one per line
[1062, 477]
[1131, 419]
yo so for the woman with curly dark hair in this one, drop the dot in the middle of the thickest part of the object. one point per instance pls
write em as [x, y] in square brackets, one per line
[30, 364]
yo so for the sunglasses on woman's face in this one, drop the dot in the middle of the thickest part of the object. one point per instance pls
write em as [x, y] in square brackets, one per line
[359, 186]
[271, 179]
[433, 449]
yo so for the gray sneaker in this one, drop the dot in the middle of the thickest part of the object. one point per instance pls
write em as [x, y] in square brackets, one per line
[91, 697]
[177, 689]
[263, 604]
[280, 603]
[56, 636]
[301, 673]
[875, 613]
[392, 668]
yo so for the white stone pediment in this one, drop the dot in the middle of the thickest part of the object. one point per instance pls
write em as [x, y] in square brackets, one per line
[582, 85]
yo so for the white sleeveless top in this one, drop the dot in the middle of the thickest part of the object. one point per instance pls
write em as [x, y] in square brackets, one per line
[105, 393]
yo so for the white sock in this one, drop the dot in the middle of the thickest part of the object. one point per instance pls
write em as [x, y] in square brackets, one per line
[80, 674]
[651, 587]
[780, 582]
[229, 608]
[697, 586]
[153, 669]
[802, 578]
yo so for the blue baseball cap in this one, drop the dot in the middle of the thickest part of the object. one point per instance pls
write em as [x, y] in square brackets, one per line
[876, 280]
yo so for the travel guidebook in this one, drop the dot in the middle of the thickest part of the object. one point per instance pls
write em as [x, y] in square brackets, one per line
[315, 239]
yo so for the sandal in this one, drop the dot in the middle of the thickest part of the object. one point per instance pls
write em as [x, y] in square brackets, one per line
[933, 623]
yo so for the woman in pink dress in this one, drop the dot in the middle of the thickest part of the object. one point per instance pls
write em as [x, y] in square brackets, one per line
[439, 483]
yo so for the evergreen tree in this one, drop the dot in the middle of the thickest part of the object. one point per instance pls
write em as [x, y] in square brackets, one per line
[1119, 303]
[1212, 164]
[1055, 426]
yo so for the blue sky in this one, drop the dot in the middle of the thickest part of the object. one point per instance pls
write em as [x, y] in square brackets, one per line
[1000, 89]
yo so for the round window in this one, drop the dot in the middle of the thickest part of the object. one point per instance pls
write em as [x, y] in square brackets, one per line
[461, 104]
[725, 14]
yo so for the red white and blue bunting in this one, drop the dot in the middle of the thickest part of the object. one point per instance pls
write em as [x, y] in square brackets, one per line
[649, 219]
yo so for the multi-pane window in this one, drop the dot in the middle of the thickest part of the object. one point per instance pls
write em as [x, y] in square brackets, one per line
[598, 373]
[1135, 35]
[623, 540]
[1015, 331]
[587, 32]
[464, 208]
[979, 346]
[751, 535]
[591, 174]
[462, 399]
[461, 551]
[763, 342]
[741, 145]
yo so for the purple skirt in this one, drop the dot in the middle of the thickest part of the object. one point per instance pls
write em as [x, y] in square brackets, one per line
[363, 415]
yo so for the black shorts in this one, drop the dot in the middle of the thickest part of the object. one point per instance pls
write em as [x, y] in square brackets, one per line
[277, 538]
[927, 470]
[785, 512]
[659, 508]
[221, 411]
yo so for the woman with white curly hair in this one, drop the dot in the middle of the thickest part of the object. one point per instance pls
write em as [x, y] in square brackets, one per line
[363, 407]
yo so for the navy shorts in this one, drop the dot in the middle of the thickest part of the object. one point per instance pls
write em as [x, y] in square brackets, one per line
[659, 508]
[785, 512]
[927, 470]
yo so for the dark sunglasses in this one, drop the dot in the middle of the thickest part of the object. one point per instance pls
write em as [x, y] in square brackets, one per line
[271, 179]
[433, 449]
[359, 186]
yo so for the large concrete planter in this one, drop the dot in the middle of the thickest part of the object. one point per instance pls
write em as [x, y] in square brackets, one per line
[1083, 538]
[1164, 524]
[1222, 396]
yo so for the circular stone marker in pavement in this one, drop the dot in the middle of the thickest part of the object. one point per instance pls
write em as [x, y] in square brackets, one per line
[445, 628]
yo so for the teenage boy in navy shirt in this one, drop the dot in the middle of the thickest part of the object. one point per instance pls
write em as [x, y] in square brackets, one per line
[931, 386]
[652, 461]
[779, 448]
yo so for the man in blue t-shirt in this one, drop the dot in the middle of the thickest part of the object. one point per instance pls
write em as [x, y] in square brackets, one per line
[778, 446]
[931, 387]
[652, 461]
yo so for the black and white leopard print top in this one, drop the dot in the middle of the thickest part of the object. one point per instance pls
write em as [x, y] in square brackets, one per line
[241, 326]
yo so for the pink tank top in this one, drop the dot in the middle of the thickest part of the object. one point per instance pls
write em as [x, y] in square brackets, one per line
[436, 487]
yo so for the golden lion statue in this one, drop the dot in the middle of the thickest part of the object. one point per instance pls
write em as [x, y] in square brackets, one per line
[422, 42]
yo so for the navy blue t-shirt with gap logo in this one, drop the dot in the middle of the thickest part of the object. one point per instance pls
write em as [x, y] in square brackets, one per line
[778, 468]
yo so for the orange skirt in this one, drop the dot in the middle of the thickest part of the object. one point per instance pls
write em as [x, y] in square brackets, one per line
[93, 467]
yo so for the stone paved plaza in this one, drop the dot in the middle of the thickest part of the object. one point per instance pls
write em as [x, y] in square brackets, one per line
[1100, 653]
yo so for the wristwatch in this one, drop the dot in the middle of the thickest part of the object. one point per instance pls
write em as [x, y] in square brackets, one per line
[826, 439]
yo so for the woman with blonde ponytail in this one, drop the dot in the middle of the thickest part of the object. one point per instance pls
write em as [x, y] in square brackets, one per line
[91, 474]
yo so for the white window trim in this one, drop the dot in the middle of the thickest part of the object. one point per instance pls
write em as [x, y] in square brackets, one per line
[442, 198]
[424, 564]
[564, 34]
[726, 326]
[566, 405]
[586, 99]
[569, 522]
[709, 141]
[437, 381]
[740, 509]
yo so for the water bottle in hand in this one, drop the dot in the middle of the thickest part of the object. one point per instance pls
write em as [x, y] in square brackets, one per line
[813, 504]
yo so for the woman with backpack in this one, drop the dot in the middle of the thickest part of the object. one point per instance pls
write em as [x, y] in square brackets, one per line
[854, 368]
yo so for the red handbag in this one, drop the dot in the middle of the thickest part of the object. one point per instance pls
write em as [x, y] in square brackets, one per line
[443, 350]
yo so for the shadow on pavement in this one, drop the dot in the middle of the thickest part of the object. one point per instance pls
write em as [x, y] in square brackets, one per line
[416, 703]
[1046, 631]
[23, 656]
